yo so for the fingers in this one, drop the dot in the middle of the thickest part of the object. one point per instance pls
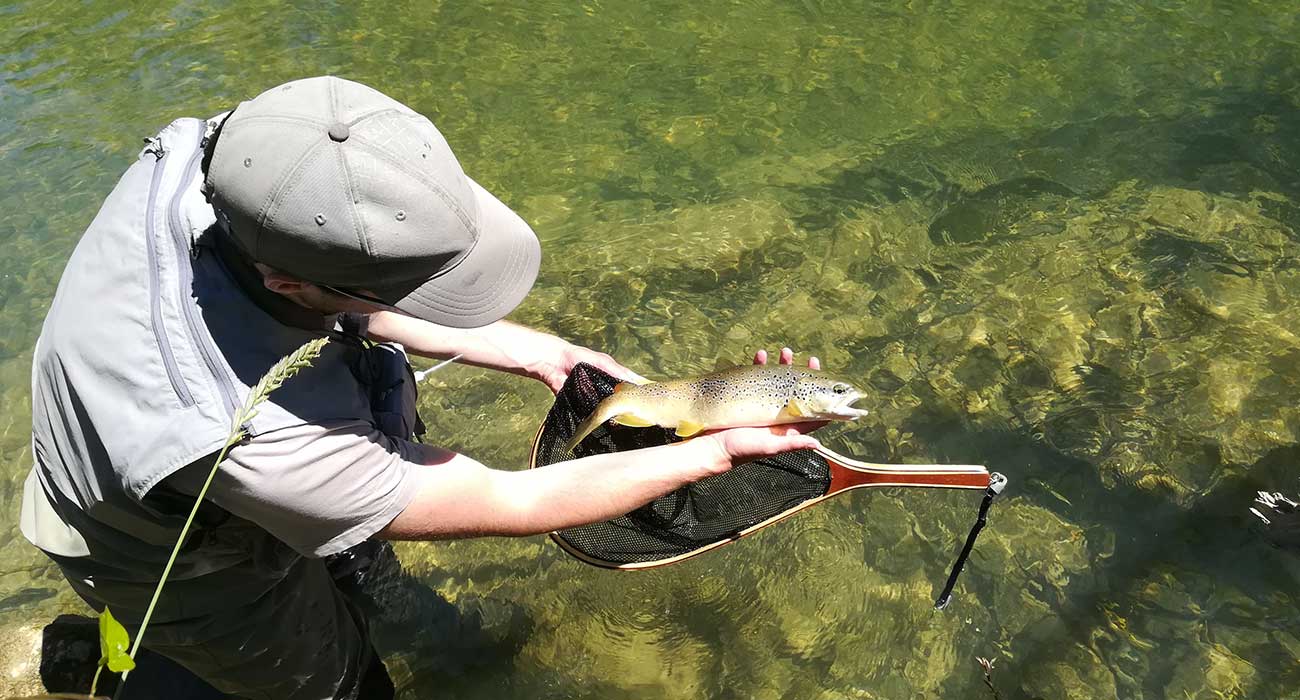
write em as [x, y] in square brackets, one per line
[786, 358]
[745, 444]
[805, 442]
[607, 363]
[619, 370]
[792, 437]
[790, 443]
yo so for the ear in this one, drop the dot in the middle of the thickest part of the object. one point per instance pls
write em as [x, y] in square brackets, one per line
[281, 283]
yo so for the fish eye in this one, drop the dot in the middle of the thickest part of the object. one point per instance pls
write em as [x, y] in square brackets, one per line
[840, 388]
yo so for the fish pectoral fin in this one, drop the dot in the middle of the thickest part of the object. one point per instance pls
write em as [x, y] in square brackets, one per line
[632, 420]
[797, 409]
[688, 428]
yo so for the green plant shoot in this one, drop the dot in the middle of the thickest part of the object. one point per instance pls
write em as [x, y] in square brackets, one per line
[113, 637]
[113, 641]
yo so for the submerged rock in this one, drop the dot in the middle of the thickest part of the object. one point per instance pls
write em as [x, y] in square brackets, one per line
[1080, 673]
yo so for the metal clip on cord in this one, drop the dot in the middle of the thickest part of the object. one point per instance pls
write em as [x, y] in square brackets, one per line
[421, 374]
[997, 482]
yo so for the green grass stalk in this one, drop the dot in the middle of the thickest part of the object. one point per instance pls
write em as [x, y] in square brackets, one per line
[272, 380]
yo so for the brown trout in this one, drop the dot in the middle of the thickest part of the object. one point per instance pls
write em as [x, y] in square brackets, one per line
[753, 395]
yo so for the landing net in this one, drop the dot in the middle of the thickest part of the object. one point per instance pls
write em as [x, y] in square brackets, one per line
[689, 519]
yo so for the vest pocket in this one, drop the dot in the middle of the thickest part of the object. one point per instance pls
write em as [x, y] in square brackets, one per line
[183, 394]
[181, 245]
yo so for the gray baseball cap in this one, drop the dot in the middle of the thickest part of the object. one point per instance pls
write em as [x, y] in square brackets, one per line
[338, 184]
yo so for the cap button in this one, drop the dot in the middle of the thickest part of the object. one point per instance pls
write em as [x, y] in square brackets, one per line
[338, 132]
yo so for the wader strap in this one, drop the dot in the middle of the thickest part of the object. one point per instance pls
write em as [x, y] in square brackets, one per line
[383, 369]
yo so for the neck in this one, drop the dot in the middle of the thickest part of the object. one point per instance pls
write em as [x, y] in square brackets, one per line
[282, 309]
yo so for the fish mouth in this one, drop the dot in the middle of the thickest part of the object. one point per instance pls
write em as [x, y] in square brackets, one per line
[845, 410]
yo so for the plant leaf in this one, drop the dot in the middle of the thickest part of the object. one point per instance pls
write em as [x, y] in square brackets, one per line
[113, 641]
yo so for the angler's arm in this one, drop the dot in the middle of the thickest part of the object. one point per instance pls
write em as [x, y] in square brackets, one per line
[502, 346]
[461, 498]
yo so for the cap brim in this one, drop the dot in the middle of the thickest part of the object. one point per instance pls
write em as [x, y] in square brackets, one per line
[492, 279]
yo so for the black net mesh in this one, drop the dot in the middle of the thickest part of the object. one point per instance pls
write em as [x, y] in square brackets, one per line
[687, 519]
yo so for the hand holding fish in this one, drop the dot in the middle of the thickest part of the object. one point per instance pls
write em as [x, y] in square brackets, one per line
[740, 445]
[554, 373]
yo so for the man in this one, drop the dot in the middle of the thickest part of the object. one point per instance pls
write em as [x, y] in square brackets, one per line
[321, 207]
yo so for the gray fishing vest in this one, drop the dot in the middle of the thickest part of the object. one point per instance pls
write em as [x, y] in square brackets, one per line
[150, 346]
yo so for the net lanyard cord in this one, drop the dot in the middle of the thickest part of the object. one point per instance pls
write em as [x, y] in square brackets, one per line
[421, 374]
[997, 482]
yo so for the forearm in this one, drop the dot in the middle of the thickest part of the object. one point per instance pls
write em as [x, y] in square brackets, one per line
[601, 487]
[502, 345]
[470, 500]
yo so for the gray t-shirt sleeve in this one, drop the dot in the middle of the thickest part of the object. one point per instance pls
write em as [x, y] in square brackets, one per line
[318, 488]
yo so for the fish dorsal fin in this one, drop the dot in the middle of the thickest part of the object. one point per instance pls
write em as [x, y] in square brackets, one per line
[688, 428]
[632, 420]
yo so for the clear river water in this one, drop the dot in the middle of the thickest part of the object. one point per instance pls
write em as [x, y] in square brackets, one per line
[1059, 239]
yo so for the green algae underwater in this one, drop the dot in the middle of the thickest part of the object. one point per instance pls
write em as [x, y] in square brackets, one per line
[1062, 240]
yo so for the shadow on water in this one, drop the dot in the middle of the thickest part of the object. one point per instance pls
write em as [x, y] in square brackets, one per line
[1213, 536]
[425, 638]
[978, 182]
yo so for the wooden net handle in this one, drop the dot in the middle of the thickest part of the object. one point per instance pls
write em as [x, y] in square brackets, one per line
[850, 473]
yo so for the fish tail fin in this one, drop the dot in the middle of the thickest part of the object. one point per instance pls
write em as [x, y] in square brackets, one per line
[598, 416]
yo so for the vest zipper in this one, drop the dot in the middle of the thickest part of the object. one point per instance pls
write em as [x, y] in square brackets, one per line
[185, 277]
[155, 301]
